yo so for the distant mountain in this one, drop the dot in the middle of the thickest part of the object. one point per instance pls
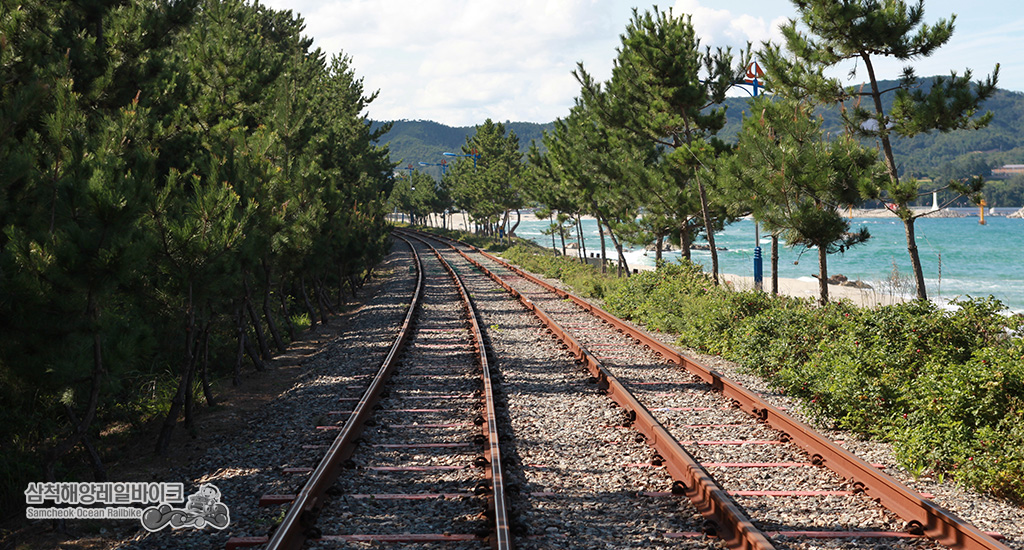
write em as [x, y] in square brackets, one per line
[415, 141]
[934, 155]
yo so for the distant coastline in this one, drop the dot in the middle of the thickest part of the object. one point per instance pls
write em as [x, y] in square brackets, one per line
[958, 212]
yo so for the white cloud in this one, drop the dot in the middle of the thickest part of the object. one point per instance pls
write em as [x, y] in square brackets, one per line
[722, 27]
[461, 61]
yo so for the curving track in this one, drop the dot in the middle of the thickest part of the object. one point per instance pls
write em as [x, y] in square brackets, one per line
[605, 442]
[422, 429]
[736, 456]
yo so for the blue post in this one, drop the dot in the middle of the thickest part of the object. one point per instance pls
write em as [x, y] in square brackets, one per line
[758, 273]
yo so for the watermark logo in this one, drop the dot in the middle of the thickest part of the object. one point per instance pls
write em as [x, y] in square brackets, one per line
[68, 500]
[204, 508]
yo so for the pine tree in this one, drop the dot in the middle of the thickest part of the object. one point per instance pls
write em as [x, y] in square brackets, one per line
[861, 31]
[664, 88]
[796, 181]
[489, 184]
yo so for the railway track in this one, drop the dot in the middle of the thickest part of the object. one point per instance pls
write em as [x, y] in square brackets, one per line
[761, 478]
[416, 458]
[605, 442]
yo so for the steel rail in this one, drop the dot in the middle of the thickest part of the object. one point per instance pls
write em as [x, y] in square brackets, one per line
[727, 521]
[299, 522]
[922, 515]
[497, 501]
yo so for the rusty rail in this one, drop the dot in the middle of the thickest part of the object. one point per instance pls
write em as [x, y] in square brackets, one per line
[922, 515]
[727, 521]
[497, 501]
[298, 523]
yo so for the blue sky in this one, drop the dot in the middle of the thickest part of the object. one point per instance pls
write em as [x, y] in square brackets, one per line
[460, 62]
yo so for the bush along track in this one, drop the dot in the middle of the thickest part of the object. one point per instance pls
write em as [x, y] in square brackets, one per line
[946, 388]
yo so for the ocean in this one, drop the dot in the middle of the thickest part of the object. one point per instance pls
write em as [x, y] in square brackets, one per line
[960, 256]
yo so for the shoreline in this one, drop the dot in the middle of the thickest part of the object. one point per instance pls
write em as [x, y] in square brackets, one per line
[805, 287]
[790, 287]
[863, 297]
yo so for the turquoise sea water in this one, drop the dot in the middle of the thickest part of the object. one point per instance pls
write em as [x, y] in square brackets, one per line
[960, 257]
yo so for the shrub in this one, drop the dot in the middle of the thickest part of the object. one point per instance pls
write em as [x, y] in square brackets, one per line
[946, 387]
[584, 279]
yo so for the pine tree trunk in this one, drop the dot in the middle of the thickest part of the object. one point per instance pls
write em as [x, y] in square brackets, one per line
[915, 258]
[79, 430]
[341, 286]
[658, 242]
[190, 397]
[503, 231]
[253, 354]
[268, 314]
[685, 238]
[320, 303]
[551, 226]
[309, 307]
[604, 256]
[257, 325]
[207, 390]
[99, 471]
[623, 266]
[512, 232]
[709, 228]
[775, 264]
[325, 298]
[163, 441]
[579, 237]
[822, 275]
[353, 285]
[285, 314]
[240, 353]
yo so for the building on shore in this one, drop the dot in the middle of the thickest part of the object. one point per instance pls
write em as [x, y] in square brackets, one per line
[1008, 171]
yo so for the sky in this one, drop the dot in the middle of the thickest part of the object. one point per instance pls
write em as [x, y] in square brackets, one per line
[460, 62]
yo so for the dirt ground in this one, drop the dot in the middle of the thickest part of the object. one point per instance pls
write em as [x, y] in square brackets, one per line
[234, 406]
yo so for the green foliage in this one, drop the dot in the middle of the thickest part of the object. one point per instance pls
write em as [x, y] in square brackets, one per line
[946, 387]
[584, 279]
[666, 93]
[414, 141]
[795, 182]
[862, 31]
[938, 156]
[167, 166]
[487, 180]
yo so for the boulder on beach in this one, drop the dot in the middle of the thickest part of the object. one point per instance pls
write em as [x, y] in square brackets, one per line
[842, 280]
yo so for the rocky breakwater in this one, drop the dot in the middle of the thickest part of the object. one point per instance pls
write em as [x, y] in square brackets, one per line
[843, 280]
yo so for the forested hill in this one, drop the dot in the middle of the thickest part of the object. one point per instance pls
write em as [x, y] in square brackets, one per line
[934, 155]
[937, 155]
[414, 141]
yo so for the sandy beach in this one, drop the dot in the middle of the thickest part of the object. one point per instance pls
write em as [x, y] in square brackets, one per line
[809, 289]
[789, 287]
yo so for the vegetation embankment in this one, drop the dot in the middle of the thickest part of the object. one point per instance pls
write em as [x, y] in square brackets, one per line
[184, 186]
[946, 388]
